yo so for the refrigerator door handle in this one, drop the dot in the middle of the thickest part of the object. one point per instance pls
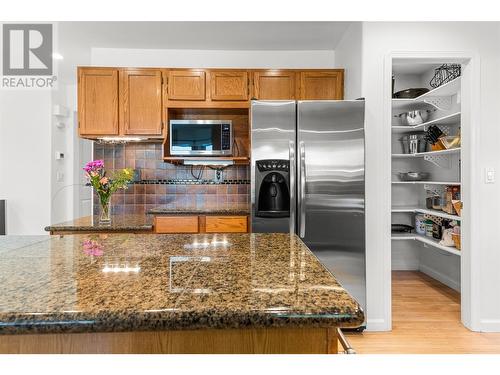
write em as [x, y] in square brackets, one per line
[302, 185]
[291, 155]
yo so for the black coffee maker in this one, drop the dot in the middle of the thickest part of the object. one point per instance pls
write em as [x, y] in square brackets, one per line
[272, 193]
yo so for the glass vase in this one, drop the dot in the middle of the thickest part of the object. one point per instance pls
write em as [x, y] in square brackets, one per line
[105, 217]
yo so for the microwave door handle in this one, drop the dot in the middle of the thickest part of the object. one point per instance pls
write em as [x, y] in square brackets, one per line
[302, 197]
[291, 158]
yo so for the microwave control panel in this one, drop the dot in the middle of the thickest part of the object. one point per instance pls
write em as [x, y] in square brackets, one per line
[226, 137]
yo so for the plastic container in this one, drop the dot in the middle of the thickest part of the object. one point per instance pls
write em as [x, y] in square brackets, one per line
[429, 227]
[420, 224]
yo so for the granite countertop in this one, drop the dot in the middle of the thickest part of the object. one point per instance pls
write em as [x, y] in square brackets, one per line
[127, 282]
[119, 223]
[163, 210]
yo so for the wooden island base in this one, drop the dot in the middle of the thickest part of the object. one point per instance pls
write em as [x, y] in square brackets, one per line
[220, 341]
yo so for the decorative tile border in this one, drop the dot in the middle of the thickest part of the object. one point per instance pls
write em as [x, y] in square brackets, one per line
[191, 182]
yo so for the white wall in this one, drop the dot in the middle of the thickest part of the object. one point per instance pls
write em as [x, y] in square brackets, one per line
[25, 158]
[212, 58]
[348, 55]
[379, 40]
[62, 192]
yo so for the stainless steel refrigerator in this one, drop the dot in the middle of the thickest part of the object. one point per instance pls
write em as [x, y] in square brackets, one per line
[307, 174]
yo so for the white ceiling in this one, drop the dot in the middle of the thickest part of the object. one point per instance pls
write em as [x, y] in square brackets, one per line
[204, 35]
[76, 39]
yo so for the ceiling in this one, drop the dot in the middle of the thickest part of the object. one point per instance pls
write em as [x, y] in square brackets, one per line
[76, 39]
[204, 35]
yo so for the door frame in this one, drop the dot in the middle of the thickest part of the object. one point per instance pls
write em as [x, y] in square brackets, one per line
[471, 177]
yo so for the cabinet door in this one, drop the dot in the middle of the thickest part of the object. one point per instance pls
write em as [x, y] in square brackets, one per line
[274, 85]
[322, 85]
[98, 101]
[229, 85]
[176, 224]
[186, 85]
[226, 224]
[140, 102]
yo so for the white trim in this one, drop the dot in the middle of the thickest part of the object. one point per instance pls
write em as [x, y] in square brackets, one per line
[377, 325]
[489, 325]
[454, 284]
[471, 178]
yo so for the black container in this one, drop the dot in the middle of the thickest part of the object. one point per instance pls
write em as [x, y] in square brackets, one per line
[410, 93]
[437, 231]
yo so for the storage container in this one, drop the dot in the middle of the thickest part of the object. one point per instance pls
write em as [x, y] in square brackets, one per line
[420, 224]
[414, 143]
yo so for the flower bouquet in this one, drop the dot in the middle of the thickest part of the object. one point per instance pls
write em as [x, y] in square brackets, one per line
[105, 186]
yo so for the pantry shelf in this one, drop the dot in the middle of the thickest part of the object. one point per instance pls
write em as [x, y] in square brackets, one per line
[448, 89]
[454, 118]
[427, 183]
[425, 240]
[437, 213]
[432, 99]
[428, 153]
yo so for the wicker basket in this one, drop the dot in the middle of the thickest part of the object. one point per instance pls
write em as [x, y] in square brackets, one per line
[456, 240]
[457, 205]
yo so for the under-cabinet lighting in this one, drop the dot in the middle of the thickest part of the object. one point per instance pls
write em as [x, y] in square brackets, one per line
[57, 56]
[222, 163]
[121, 139]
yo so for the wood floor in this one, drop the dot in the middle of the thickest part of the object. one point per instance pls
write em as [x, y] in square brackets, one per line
[425, 319]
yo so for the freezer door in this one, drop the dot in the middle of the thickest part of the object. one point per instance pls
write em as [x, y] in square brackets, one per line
[273, 132]
[331, 187]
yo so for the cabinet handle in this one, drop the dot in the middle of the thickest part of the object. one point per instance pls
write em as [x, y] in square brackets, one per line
[302, 187]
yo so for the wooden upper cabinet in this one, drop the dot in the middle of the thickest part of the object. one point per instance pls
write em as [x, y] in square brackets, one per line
[98, 101]
[186, 85]
[229, 85]
[322, 85]
[274, 85]
[141, 102]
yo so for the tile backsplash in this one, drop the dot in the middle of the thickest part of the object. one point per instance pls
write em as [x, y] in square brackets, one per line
[169, 185]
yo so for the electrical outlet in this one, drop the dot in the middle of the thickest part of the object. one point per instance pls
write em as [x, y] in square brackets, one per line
[489, 176]
[60, 177]
[218, 176]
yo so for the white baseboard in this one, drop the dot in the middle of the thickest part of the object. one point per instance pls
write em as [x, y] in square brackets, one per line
[401, 266]
[377, 325]
[490, 325]
[454, 284]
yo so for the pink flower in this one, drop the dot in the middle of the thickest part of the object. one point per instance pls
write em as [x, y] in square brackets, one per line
[95, 165]
[103, 180]
[92, 248]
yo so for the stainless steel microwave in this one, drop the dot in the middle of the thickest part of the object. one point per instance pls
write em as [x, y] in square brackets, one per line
[201, 137]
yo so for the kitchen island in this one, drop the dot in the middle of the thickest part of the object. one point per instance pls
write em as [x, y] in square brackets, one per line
[133, 293]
